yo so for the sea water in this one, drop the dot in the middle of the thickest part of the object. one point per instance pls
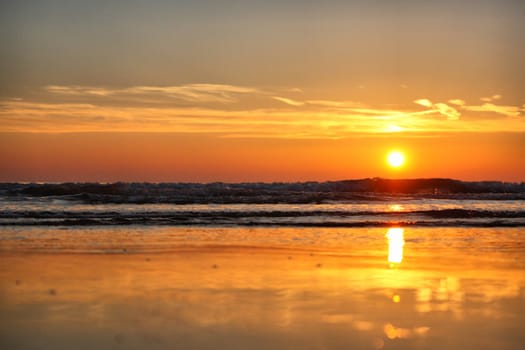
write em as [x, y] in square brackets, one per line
[395, 273]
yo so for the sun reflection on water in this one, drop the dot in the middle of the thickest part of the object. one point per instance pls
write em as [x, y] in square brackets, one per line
[396, 241]
[396, 208]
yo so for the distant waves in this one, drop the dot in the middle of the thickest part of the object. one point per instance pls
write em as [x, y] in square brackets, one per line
[350, 203]
[300, 193]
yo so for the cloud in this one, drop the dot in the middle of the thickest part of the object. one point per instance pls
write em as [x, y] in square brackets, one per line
[234, 112]
[219, 93]
[450, 112]
[490, 98]
[288, 101]
[393, 128]
[335, 104]
[78, 90]
[457, 102]
[26, 116]
[509, 111]
[442, 108]
[423, 102]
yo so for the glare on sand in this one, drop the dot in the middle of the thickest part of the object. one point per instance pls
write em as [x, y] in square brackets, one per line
[330, 287]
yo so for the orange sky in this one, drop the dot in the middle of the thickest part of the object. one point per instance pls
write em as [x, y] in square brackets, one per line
[185, 157]
[262, 90]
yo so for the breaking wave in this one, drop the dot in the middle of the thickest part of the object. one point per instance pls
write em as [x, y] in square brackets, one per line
[321, 218]
[352, 203]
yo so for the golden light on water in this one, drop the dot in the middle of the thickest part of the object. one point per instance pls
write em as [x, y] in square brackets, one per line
[396, 207]
[396, 241]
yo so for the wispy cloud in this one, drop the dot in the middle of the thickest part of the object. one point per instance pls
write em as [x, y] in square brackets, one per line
[423, 102]
[453, 113]
[491, 98]
[288, 101]
[335, 104]
[442, 108]
[450, 112]
[230, 111]
[509, 111]
[78, 90]
[457, 102]
[192, 92]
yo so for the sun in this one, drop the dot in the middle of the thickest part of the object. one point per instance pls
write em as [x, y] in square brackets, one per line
[395, 159]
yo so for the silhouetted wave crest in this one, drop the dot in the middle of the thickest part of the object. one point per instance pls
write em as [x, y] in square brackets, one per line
[351, 203]
[300, 192]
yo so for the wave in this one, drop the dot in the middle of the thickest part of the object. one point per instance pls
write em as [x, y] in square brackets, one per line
[374, 189]
[349, 203]
[444, 213]
[444, 217]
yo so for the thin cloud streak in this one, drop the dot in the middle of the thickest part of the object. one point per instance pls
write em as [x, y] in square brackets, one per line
[453, 113]
[192, 92]
[509, 111]
[210, 111]
[442, 108]
[288, 101]
[457, 102]
[34, 117]
[491, 98]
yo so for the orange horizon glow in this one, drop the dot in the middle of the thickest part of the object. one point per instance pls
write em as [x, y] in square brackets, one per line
[217, 132]
[169, 157]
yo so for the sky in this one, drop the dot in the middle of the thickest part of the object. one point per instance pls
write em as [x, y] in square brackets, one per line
[231, 90]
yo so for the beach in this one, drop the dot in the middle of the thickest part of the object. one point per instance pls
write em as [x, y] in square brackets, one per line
[283, 288]
[262, 175]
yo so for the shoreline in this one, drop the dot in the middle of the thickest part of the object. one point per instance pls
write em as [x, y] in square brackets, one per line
[222, 296]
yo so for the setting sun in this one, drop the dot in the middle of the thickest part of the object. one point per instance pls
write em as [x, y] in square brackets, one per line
[395, 159]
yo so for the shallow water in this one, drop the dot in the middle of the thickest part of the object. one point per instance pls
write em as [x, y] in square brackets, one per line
[262, 288]
[38, 211]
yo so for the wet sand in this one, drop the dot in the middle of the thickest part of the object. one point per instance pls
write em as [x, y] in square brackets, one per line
[357, 288]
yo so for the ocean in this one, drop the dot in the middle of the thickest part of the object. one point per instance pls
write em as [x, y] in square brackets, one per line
[262, 266]
[358, 203]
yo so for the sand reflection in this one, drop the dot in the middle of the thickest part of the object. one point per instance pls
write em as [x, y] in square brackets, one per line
[396, 242]
[312, 296]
